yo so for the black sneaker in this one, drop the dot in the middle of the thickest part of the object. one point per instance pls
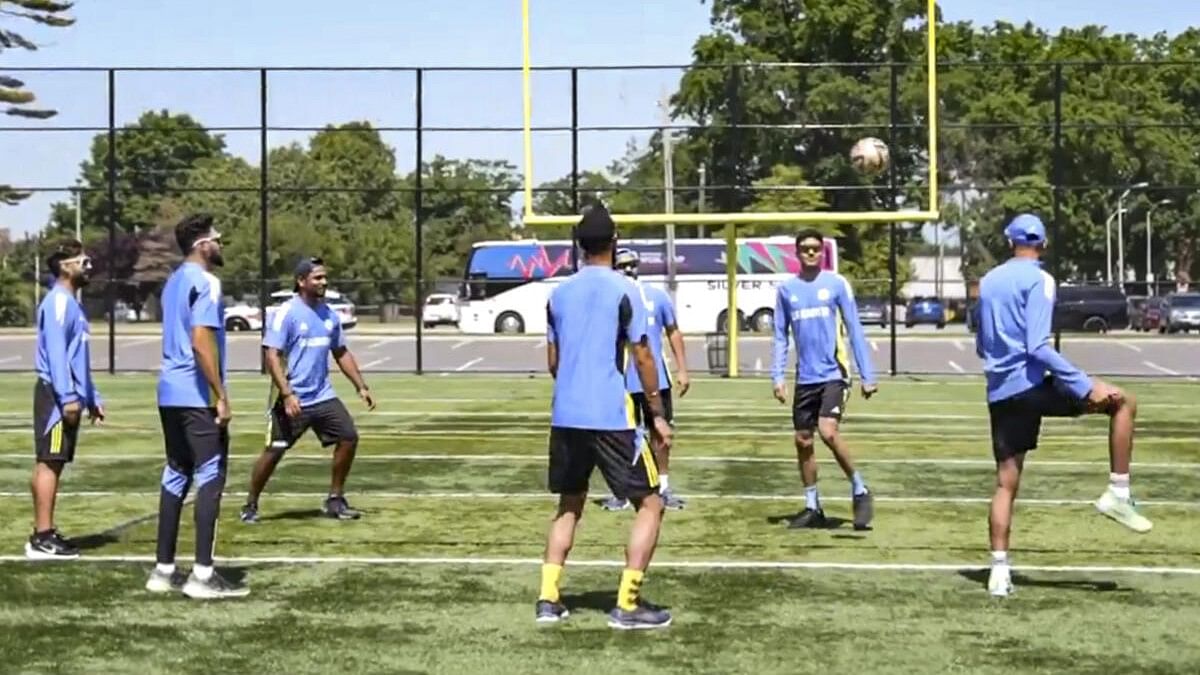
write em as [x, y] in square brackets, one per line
[550, 612]
[864, 510]
[250, 513]
[50, 545]
[644, 617]
[337, 507]
[808, 518]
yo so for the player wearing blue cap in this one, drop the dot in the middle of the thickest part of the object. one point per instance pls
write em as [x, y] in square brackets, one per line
[304, 332]
[1028, 380]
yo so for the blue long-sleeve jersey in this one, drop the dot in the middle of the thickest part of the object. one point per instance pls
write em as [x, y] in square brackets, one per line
[819, 314]
[63, 359]
[1016, 306]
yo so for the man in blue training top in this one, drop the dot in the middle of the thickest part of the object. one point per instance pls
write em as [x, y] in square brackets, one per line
[1028, 380]
[660, 318]
[593, 317]
[305, 331]
[818, 307]
[63, 389]
[193, 407]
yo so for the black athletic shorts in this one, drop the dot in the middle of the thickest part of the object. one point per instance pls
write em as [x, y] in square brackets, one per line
[641, 407]
[52, 442]
[814, 401]
[193, 439]
[1017, 420]
[626, 463]
[329, 420]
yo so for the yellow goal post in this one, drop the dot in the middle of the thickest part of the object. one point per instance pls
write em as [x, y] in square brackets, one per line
[730, 221]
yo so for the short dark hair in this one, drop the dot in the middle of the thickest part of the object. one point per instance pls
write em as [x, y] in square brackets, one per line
[810, 233]
[66, 249]
[596, 231]
[191, 228]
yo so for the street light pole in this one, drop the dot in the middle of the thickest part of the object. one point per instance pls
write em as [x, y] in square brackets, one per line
[1108, 268]
[1149, 245]
[1121, 230]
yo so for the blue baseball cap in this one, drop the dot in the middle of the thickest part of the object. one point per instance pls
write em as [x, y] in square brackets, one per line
[1026, 229]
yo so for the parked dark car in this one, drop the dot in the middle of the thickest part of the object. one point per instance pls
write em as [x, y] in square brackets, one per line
[922, 309]
[1180, 312]
[1096, 309]
[873, 312]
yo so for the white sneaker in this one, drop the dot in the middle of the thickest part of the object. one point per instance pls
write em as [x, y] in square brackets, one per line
[1124, 511]
[1000, 583]
[165, 583]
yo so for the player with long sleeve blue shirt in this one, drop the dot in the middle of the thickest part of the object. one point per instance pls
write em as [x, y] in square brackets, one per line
[817, 307]
[1027, 379]
[64, 388]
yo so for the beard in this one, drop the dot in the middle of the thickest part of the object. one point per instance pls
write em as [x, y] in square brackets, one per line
[216, 259]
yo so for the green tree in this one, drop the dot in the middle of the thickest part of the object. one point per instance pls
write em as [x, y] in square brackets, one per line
[465, 201]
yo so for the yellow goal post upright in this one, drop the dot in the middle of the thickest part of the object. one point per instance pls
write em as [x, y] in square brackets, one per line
[732, 220]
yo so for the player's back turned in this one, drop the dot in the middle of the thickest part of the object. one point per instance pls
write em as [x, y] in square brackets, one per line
[587, 314]
[1004, 340]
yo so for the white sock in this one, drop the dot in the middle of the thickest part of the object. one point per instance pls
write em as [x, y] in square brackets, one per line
[1119, 484]
[165, 568]
[663, 484]
[999, 558]
[202, 572]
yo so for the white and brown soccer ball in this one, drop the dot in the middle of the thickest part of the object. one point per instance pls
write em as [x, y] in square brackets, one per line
[870, 155]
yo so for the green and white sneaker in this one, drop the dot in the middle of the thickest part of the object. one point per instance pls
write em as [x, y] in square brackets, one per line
[1000, 583]
[1124, 511]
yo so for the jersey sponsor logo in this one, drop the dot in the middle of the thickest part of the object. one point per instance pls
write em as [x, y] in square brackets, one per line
[328, 324]
[823, 294]
[811, 313]
[315, 342]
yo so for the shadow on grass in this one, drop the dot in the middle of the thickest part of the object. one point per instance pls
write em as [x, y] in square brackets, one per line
[980, 577]
[600, 601]
[295, 514]
[831, 522]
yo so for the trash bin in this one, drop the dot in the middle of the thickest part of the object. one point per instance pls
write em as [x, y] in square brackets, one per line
[717, 347]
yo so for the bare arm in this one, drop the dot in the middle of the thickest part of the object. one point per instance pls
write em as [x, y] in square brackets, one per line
[675, 337]
[552, 359]
[204, 344]
[275, 369]
[647, 371]
[349, 366]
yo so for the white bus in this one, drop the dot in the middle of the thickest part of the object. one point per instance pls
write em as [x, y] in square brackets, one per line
[507, 283]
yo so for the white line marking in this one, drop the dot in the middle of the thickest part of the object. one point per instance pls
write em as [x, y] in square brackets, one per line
[1159, 368]
[465, 366]
[758, 363]
[957, 368]
[658, 564]
[550, 497]
[874, 346]
[123, 344]
[540, 344]
[686, 459]
[376, 362]
[379, 343]
[958, 344]
[459, 345]
[8, 359]
[1129, 345]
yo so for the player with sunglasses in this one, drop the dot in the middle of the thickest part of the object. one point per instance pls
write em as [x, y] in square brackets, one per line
[64, 388]
[817, 307]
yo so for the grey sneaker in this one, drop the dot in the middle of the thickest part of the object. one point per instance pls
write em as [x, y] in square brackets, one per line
[338, 507]
[671, 501]
[165, 583]
[644, 617]
[250, 513]
[615, 504]
[550, 612]
[864, 510]
[216, 588]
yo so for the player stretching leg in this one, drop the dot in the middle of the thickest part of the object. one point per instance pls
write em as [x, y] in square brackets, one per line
[818, 306]
[592, 318]
[64, 388]
[1028, 380]
[193, 406]
[306, 331]
[660, 317]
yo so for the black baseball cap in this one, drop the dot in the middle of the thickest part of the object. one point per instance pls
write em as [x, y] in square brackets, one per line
[596, 225]
[305, 267]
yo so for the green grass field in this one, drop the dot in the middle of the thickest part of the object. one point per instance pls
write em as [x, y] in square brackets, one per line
[441, 574]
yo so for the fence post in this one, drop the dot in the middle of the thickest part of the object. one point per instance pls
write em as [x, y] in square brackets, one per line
[110, 178]
[574, 162]
[263, 206]
[1058, 182]
[893, 131]
[419, 222]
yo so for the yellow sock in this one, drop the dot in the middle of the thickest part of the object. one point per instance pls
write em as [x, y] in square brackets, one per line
[627, 593]
[551, 575]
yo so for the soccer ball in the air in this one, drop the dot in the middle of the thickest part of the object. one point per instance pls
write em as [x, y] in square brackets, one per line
[869, 155]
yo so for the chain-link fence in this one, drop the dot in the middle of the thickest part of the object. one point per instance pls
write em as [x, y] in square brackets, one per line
[408, 183]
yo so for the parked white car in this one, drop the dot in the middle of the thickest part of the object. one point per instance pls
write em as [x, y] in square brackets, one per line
[339, 304]
[440, 308]
[242, 317]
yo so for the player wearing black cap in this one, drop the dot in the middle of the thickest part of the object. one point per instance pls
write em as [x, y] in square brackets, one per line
[305, 331]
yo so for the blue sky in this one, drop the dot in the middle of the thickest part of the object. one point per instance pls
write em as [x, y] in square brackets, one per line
[401, 33]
